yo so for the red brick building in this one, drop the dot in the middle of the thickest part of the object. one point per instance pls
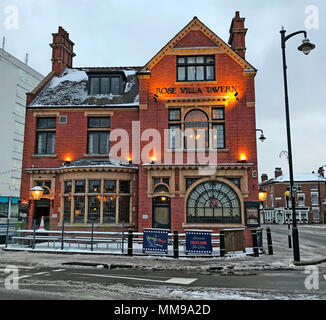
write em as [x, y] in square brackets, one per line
[171, 144]
[310, 197]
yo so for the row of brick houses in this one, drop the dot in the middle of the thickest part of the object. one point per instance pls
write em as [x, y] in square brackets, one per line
[171, 144]
[310, 191]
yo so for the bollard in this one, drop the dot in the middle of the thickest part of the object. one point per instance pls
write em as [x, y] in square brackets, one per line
[130, 242]
[34, 229]
[289, 236]
[122, 236]
[7, 233]
[176, 244]
[255, 242]
[92, 236]
[62, 233]
[222, 244]
[269, 241]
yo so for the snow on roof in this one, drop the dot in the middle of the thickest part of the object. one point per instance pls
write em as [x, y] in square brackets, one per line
[71, 75]
[110, 163]
[71, 89]
[298, 177]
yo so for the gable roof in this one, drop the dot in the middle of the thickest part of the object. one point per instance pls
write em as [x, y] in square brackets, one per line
[196, 24]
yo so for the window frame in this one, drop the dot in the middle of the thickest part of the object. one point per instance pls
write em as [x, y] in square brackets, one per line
[101, 195]
[195, 64]
[47, 131]
[105, 76]
[98, 131]
[210, 126]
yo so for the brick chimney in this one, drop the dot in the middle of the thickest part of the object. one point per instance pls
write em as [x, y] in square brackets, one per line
[62, 51]
[237, 39]
[264, 177]
[278, 172]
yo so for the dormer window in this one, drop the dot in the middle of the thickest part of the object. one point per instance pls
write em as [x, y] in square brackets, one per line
[105, 84]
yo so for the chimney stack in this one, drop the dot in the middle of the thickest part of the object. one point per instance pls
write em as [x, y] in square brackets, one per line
[321, 171]
[278, 172]
[237, 39]
[264, 177]
[62, 51]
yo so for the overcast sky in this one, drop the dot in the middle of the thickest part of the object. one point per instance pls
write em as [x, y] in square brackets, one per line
[131, 32]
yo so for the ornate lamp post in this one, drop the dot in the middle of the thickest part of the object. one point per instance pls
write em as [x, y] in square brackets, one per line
[37, 193]
[262, 138]
[262, 197]
[305, 47]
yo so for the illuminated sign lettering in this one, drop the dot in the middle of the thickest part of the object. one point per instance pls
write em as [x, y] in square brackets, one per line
[194, 90]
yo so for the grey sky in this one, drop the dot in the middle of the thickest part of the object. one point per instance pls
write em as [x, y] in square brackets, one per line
[130, 32]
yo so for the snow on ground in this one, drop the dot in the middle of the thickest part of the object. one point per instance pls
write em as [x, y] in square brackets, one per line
[282, 258]
[86, 291]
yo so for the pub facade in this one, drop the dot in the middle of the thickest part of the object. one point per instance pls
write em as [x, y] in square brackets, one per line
[171, 144]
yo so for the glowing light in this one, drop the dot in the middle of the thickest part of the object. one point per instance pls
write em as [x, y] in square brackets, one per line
[198, 136]
[68, 159]
[163, 198]
[243, 157]
[262, 195]
[287, 193]
[37, 192]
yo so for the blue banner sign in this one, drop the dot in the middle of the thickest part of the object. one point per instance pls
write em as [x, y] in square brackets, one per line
[198, 242]
[259, 233]
[155, 240]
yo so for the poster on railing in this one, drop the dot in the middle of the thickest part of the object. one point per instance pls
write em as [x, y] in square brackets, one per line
[259, 233]
[198, 241]
[155, 240]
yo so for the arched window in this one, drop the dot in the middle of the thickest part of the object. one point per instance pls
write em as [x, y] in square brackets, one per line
[213, 202]
[196, 129]
[161, 188]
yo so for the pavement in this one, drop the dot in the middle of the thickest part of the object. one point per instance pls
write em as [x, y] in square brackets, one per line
[312, 250]
[236, 276]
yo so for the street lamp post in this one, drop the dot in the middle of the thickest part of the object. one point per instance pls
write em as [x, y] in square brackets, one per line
[305, 47]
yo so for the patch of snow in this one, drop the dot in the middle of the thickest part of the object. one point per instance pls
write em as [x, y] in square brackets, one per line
[128, 87]
[69, 75]
[300, 177]
[129, 72]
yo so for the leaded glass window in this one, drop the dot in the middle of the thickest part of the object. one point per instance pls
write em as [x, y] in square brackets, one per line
[213, 202]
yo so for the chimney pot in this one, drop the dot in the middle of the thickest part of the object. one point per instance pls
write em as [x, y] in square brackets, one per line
[264, 177]
[278, 172]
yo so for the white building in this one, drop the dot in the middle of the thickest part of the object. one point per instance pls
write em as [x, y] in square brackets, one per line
[16, 78]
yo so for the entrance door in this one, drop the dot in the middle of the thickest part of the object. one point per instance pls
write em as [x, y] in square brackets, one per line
[42, 209]
[161, 213]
